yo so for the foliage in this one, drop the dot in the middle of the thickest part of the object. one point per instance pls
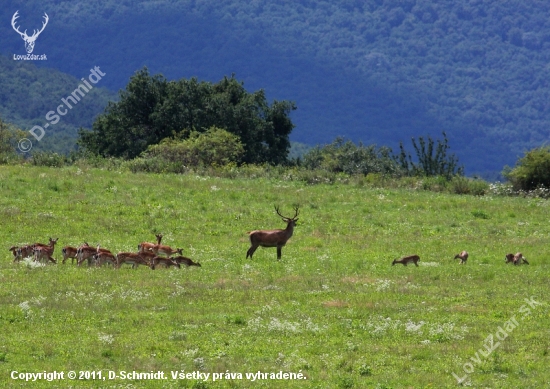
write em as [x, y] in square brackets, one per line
[345, 157]
[215, 147]
[151, 109]
[430, 161]
[28, 93]
[8, 142]
[332, 307]
[532, 171]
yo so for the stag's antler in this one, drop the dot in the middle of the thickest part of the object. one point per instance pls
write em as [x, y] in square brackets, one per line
[15, 16]
[287, 218]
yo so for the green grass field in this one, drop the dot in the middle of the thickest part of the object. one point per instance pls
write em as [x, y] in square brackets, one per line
[333, 309]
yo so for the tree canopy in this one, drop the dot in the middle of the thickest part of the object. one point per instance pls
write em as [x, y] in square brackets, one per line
[151, 108]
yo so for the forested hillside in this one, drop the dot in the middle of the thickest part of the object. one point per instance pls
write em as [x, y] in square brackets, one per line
[28, 93]
[377, 71]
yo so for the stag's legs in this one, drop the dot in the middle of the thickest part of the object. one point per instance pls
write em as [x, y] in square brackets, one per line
[279, 248]
[251, 250]
[416, 264]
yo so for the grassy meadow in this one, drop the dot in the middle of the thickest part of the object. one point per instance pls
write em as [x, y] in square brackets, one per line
[333, 308]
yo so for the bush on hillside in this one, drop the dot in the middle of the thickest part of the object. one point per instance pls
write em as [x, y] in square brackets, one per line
[532, 171]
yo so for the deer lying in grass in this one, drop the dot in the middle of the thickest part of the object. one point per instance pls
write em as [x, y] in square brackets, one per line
[185, 261]
[145, 246]
[273, 238]
[134, 259]
[71, 252]
[405, 260]
[463, 257]
[517, 259]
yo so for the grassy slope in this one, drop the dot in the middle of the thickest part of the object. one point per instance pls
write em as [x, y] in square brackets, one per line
[333, 307]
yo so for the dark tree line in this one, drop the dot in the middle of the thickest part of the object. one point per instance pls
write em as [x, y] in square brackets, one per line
[152, 108]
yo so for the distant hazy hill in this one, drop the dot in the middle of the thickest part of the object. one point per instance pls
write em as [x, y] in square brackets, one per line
[28, 93]
[376, 71]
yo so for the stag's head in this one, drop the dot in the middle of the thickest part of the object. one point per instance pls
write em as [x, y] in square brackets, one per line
[29, 40]
[291, 221]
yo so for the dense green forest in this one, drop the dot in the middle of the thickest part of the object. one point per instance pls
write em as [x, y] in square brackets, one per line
[28, 93]
[376, 71]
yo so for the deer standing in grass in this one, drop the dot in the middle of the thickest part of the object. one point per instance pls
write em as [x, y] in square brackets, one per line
[145, 246]
[71, 252]
[463, 257]
[405, 260]
[42, 251]
[273, 238]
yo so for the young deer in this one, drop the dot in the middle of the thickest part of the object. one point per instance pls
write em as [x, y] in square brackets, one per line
[71, 252]
[517, 259]
[45, 252]
[24, 252]
[463, 257]
[185, 261]
[405, 260]
[87, 252]
[145, 246]
[165, 261]
[166, 250]
[273, 238]
[131, 259]
[15, 251]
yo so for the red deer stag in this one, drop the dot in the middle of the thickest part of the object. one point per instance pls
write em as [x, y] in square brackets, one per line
[273, 238]
[405, 260]
[517, 259]
[463, 257]
[145, 246]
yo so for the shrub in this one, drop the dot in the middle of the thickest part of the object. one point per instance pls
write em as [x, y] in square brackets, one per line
[532, 171]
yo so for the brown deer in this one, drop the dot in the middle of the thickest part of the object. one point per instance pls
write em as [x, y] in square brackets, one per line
[105, 256]
[165, 261]
[145, 246]
[15, 251]
[517, 259]
[45, 252]
[24, 252]
[463, 257]
[166, 250]
[273, 238]
[88, 252]
[71, 252]
[185, 261]
[405, 260]
[134, 259]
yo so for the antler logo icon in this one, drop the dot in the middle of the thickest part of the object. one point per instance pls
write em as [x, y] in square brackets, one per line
[29, 40]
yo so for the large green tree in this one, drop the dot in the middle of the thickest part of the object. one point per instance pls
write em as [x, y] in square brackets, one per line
[152, 108]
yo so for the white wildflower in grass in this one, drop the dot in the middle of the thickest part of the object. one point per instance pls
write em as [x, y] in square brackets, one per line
[31, 264]
[199, 363]
[283, 326]
[26, 308]
[214, 188]
[381, 285]
[445, 332]
[412, 327]
[106, 338]
[426, 341]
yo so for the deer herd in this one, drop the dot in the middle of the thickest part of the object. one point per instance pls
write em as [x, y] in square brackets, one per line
[153, 254]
